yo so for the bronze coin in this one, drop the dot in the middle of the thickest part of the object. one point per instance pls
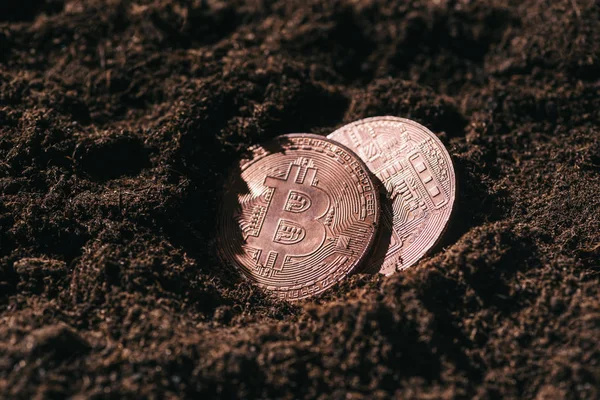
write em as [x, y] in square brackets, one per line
[298, 215]
[417, 174]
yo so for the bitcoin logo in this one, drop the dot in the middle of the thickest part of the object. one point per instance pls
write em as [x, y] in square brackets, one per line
[298, 215]
[295, 204]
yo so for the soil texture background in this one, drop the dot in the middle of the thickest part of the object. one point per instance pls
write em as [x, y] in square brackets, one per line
[118, 123]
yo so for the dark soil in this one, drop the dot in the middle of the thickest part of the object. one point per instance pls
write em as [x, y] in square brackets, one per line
[119, 120]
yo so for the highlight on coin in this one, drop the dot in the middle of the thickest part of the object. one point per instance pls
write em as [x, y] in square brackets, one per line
[299, 214]
[418, 177]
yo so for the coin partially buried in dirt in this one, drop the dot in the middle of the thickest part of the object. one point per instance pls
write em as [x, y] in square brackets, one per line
[298, 215]
[417, 173]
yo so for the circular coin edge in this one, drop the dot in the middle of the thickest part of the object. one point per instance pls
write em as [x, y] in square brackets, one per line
[452, 171]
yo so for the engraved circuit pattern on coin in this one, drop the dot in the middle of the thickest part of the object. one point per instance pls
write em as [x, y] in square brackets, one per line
[417, 172]
[298, 215]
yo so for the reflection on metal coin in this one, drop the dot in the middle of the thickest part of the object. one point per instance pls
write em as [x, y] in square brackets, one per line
[417, 173]
[298, 215]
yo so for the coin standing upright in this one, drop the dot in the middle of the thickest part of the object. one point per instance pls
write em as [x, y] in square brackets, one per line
[298, 215]
[419, 181]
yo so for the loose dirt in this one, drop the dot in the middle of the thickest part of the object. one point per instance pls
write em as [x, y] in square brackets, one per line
[120, 119]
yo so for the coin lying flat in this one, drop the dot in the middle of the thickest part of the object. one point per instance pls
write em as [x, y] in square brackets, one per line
[298, 215]
[417, 173]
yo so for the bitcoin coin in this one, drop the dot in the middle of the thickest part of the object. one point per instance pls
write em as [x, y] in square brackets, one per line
[418, 177]
[298, 215]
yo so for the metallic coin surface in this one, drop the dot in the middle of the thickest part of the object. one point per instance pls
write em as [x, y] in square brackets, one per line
[298, 215]
[417, 174]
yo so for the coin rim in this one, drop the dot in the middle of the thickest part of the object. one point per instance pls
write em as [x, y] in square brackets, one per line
[367, 248]
[447, 220]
